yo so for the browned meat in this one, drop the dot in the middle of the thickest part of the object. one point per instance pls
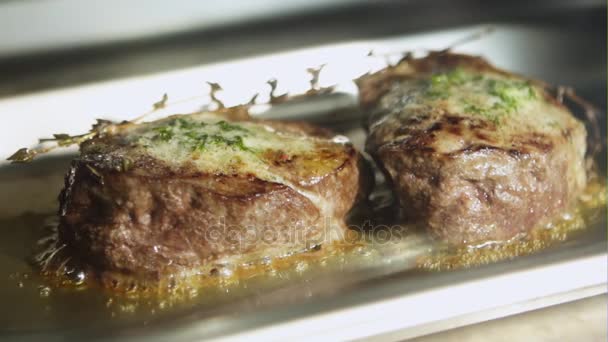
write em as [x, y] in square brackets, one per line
[177, 196]
[474, 152]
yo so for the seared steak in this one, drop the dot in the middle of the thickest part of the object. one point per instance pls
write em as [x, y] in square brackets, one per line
[176, 196]
[475, 152]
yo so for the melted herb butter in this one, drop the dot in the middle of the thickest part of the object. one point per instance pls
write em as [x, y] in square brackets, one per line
[198, 135]
[489, 95]
[217, 146]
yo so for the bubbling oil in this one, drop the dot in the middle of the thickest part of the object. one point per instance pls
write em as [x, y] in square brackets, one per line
[53, 282]
[60, 269]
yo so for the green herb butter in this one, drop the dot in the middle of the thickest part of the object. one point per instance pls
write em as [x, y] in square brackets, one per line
[210, 143]
[488, 95]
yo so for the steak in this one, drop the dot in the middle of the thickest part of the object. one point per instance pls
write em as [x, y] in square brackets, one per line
[177, 196]
[473, 152]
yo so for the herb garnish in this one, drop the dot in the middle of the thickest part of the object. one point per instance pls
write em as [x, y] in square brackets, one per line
[480, 94]
[24, 155]
[199, 136]
[441, 84]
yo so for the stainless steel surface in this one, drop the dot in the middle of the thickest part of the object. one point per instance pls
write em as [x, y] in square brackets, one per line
[58, 43]
[78, 23]
[24, 25]
[581, 320]
[362, 299]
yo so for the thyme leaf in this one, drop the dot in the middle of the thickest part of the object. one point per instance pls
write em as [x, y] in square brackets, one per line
[162, 103]
[23, 155]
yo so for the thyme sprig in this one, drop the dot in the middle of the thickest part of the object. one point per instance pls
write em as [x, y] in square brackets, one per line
[25, 155]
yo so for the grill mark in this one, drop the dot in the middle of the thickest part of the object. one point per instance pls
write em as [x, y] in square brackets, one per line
[453, 120]
[481, 136]
[537, 141]
[434, 127]
[456, 130]
[420, 141]
[540, 145]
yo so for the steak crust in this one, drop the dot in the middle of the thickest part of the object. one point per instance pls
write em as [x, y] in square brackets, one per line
[475, 153]
[155, 219]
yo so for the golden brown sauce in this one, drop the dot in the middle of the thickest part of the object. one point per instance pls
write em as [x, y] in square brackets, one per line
[46, 300]
[51, 299]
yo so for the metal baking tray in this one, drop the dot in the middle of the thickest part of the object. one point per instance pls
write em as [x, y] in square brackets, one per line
[353, 296]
